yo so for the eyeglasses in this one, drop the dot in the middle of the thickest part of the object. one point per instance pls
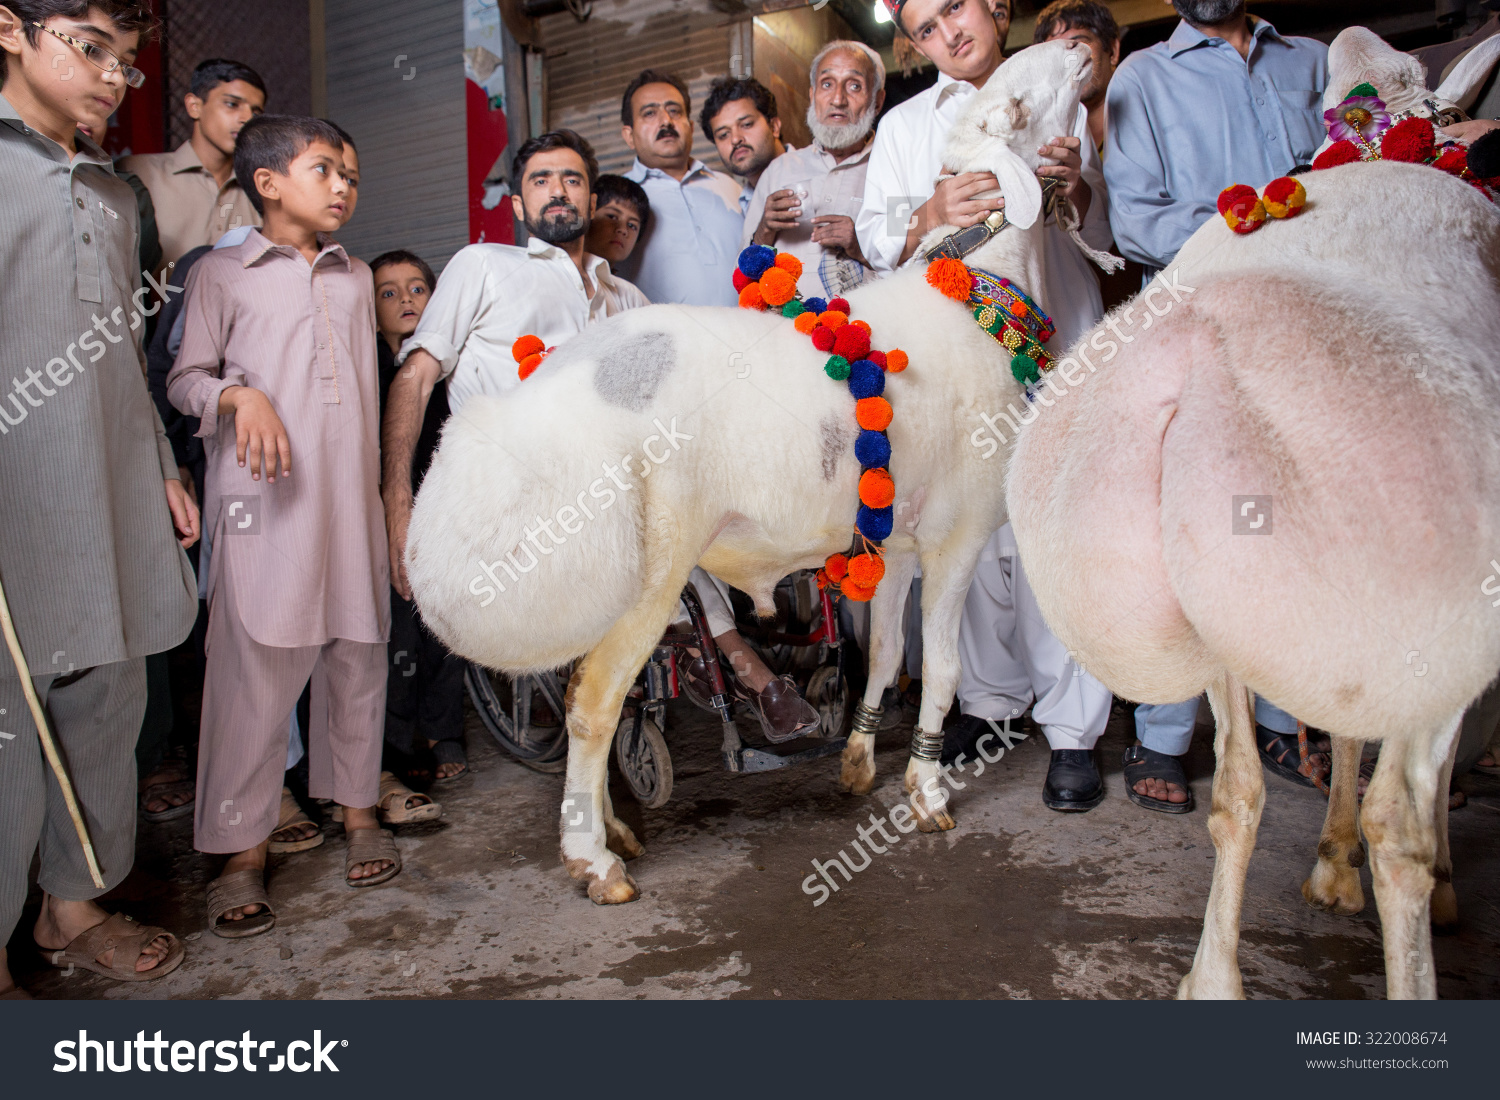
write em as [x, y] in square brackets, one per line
[99, 57]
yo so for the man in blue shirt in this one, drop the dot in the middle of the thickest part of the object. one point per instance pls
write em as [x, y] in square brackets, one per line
[689, 250]
[1225, 100]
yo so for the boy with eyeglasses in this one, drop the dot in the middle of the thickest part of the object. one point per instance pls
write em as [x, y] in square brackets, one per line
[94, 580]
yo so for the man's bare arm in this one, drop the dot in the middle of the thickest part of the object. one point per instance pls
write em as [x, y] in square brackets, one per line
[405, 408]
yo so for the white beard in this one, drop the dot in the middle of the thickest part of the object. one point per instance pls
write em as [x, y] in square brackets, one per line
[841, 137]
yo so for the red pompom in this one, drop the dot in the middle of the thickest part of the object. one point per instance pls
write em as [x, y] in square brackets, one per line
[877, 488]
[822, 338]
[1455, 160]
[873, 414]
[1237, 194]
[837, 566]
[741, 280]
[896, 361]
[876, 357]
[851, 342]
[525, 347]
[750, 297]
[1409, 140]
[950, 278]
[1340, 152]
[840, 304]
[1284, 197]
[865, 570]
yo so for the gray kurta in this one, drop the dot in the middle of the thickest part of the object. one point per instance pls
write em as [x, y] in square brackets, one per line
[88, 558]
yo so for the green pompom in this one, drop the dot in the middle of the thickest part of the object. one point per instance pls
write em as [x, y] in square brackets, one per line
[1024, 368]
[1363, 89]
[836, 368]
[794, 308]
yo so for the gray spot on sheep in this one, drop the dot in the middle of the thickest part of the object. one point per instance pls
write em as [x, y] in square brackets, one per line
[836, 435]
[630, 371]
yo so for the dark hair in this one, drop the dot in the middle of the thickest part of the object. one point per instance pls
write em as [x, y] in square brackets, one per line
[128, 15]
[1076, 15]
[343, 133]
[217, 70]
[726, 90]
[274, 141]
[402, 256]
[619, 189]
[553, 139]
[652, 76]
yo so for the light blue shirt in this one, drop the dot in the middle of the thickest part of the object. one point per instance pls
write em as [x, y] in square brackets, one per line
[689, 250]
[1189, 116]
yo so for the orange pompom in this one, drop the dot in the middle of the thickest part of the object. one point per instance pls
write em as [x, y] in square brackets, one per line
[805, 323]
[877, 488]
[790, 264]
[836, 566]
[777, 286]
[865, 570]
[525, 347]
[873, 414]
[832, 319]
[864, 325]
[951, 278]
[750, 297]
[896, 361]
[529, 364]
[856, 593]
[823, 580]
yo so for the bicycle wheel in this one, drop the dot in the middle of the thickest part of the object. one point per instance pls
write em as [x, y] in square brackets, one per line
[504, 706]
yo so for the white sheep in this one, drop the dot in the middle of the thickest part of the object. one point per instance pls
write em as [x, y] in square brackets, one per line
[563, 519]
[1337, 373]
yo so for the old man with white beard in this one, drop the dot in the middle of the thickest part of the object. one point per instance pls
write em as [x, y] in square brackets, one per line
[805, 201]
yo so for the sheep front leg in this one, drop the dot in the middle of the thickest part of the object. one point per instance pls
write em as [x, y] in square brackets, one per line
[1400, 821]
[857, 767]
[1334, 883]
[1238, 795]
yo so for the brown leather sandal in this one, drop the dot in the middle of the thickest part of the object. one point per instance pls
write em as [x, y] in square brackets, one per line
[129, 940]
[290, 817]
[371, 846]
[234, 891]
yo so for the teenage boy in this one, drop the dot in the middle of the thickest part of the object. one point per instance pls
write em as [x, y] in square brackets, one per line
[739, 119]
[1009, 657]
[193, 188]
[278, 350]
[621, 212]
[689, 251]
[87, 484]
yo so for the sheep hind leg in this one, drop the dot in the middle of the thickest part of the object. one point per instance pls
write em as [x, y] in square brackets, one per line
[1239, 793]
[593, 839]
[1334, 882]
[1444, 907]
[1400, 822]
[857, 767]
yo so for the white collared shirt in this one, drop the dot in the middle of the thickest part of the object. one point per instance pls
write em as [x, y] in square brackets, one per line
[828, 187]
[906, 160]
[490, 295]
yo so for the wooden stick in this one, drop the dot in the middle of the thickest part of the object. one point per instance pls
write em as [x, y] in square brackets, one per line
[48, 747]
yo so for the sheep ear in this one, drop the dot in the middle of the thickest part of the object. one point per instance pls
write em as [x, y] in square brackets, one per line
[1018, 182]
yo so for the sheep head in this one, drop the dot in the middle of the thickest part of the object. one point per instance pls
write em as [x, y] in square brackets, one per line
[1029, 100]
[1360, 56]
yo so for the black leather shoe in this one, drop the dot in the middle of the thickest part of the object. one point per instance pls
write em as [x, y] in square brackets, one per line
[1073, 784]
[961, 738]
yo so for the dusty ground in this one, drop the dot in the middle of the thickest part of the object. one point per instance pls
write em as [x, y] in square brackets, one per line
[1016, 902]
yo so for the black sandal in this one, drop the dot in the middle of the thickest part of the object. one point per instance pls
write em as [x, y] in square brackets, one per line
[450, 752]
[1143, 763]
[1276, 749]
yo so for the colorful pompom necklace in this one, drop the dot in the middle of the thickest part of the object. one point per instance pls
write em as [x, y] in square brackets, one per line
[766, 279]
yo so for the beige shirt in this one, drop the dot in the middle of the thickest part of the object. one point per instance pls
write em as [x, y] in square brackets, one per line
[306, 555]
[493, 294]
[191, 209]
[826, 187]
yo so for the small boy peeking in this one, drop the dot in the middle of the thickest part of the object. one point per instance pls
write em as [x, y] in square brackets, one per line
[278, 348]
[620, 215]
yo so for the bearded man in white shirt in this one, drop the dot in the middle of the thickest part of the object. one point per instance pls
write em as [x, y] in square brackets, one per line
[1009, 657]
[490, 296]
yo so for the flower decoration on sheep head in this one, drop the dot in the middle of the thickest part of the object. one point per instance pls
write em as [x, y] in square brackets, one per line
[1360, 118]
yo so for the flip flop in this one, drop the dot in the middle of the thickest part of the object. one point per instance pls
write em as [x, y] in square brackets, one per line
[1277, 750]
[395, 803]
[232, 891]
[292, 815]
[367, 846]
[128, 938]
[1143, 763]
[161, 790]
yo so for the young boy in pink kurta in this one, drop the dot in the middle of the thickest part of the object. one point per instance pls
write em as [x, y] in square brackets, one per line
[278, 359]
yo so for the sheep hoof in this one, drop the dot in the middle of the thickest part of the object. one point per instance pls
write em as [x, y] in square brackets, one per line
[615, 888]
[1444, 909]
[621, 841]
[857, 768]
[1334, 887]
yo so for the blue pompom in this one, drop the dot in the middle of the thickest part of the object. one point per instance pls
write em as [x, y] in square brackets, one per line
[865, 379]
[875, 523]
[872, 449]
[756, 259]
[816, 305]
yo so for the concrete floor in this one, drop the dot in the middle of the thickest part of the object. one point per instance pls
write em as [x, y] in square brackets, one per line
[1016, 902]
